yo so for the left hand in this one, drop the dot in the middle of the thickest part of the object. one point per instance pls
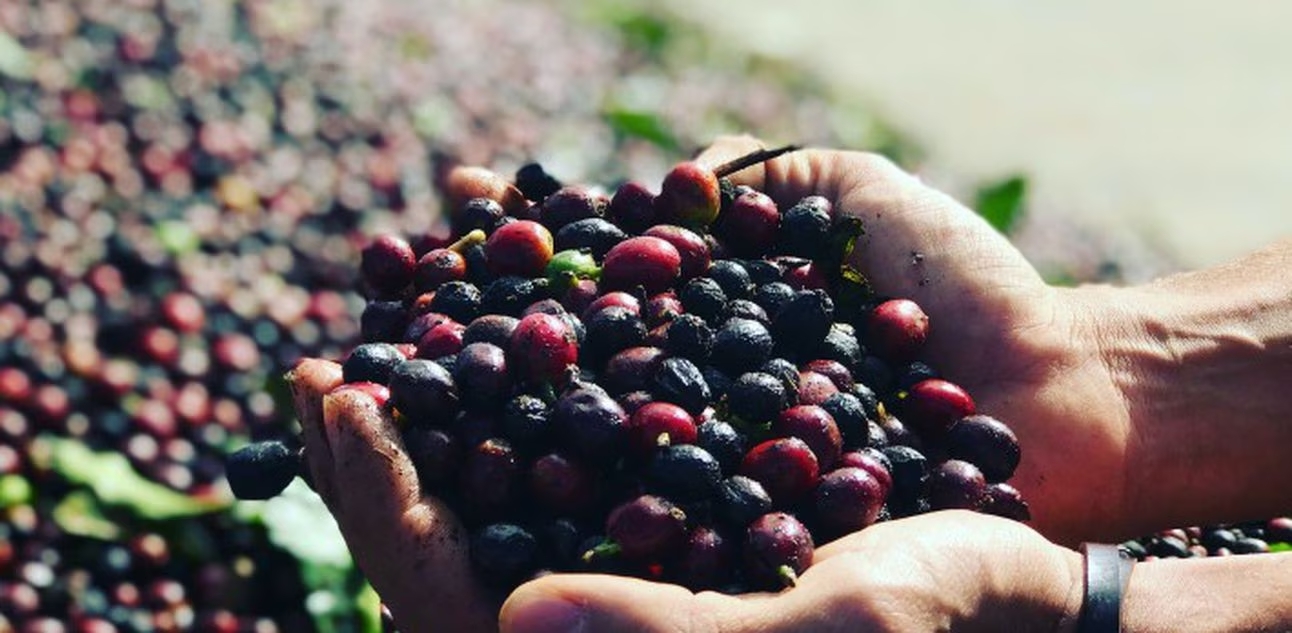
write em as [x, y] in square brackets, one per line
[951, 570]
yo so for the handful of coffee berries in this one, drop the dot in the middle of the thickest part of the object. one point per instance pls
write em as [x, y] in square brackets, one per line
[691, 386]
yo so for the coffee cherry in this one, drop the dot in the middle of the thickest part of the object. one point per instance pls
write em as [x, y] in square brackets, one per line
[646, 529]
[787, 468]
[956, 484]
[504, 554]
[814, 426]
[848, 499]
[932, 406]
[522, 248]
[424, 392]
[592, 424]
[688, 197]
[986, 443]
[648, 262]
[778, 547]
[690, 246]
[657, 425]
[542, 349]
[387, 264]
[261, 470]
[897, 329]
[749, 226]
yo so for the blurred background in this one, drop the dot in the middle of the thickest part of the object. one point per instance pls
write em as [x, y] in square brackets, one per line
[185, 184]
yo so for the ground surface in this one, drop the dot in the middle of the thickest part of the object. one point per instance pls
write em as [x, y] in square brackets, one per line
[1169, 119]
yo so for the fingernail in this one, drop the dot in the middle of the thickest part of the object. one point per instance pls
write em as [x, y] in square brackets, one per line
[547, 616]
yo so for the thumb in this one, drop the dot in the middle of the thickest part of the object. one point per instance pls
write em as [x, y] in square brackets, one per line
[588, 602]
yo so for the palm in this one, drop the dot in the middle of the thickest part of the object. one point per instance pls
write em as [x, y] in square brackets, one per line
[996, 327]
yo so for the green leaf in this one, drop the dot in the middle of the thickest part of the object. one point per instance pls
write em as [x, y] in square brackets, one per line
[15, 490]
[298, 523]
[15, 61]
[1001, 203]
[115, 483]
[78, 513]
[643, 125]
[1281, 547]
[368, 604]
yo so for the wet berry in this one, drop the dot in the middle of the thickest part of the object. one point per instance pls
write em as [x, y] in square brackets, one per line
[570, 204]
[749, 226]
[261, 470]
[610, 331]
[956, 484]
[424, 392]
[805, 228]
[778, 547]
[437, 268]
[816, 427]
[657, 425]
[786, 467]
[482, 376]
[387, 264]
[986, 443]
[647, 529]
[595, 235]
[932, 406]
[706, 561]
[592, 424]
[684, 473]
[648, 262]
[897, 329]
[520, 248]
[741, 345]
[848, 499]
[542, 349]
[561, 485]
[371, 362]
[723, 441]
[691, 247]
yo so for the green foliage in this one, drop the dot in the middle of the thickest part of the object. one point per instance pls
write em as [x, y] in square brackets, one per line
[15, 490]
[1281, 547]
[115, 483]
[1001, 203]
[80, 514]
[643, 125]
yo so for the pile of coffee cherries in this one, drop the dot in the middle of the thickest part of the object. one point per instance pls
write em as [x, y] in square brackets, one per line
[690, 386]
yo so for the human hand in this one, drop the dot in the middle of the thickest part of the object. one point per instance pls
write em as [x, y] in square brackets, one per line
[410, 546]
[950, 570]
[1028, 352]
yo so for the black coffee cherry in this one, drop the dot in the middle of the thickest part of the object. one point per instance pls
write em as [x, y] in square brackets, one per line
[594, 235]
[504, 554]
[741, 345]
[485, 214]
[773, 296]
[371, 362]
[803, 323]
[788, 374]
[756, 398]
[690, 337]
[510, 295]
[458, 300]
[762, 271]
[261, 470]
[723, 441]
[805, 228]
[910, 469]
[869, 401]
[1004, 500]
[424, 392]
[732, 277]
[850, 415]
[535, 183]
[746, 309]
[910, 375]
[704, 298]
[383, 322]
[719, 382]
[740, 501]
[679, 381]
[610, 331]
[841, 345]
[684, 473]
[526, 421]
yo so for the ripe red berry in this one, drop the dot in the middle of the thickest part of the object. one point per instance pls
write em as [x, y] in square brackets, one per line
[748, 228]
[933, 405]
[897, 329]
[692, 248]
[848, 499]
[438, 267]
[814, 426]
[659, 424]
[522, 249]
[785, 467]
[778, 547]
[542, 348]
[649, 262]
[689, 196]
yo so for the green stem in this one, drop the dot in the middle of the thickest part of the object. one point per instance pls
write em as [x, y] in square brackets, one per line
[606, 548]
[467, 241]
[788, 576]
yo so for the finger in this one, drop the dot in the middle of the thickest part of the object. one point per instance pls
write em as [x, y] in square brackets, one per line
[588, 602]
[309, 380]
[412, 549]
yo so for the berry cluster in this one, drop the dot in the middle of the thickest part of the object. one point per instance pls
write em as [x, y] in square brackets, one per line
[690, 385]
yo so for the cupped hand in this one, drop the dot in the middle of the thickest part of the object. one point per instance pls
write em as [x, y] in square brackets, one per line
[1028, 352]
[950, 570]
[410, 546]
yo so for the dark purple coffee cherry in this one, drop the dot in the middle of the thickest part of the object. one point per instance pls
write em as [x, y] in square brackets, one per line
[773, 296]
[526, 421]
[645, 529]
[482, 376]
[632, 369]
[986, 443]
[850, 416]
[632, 208]
[706, 561]
[424, 392]
[956, 484]
[816, 427]
[1004, 500]
[910, 469]
[805, 228]
[748, 226]
[383, 322]
[435, 454]
[490, 328]
[561, 485]
[703, 297]
[261, 470]
[610, 331]
[841, 345]
[387, 264]
[591, 423]
[489, 475]
[569, 204]
[848, 499]
[802, 324]
[777, 549]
